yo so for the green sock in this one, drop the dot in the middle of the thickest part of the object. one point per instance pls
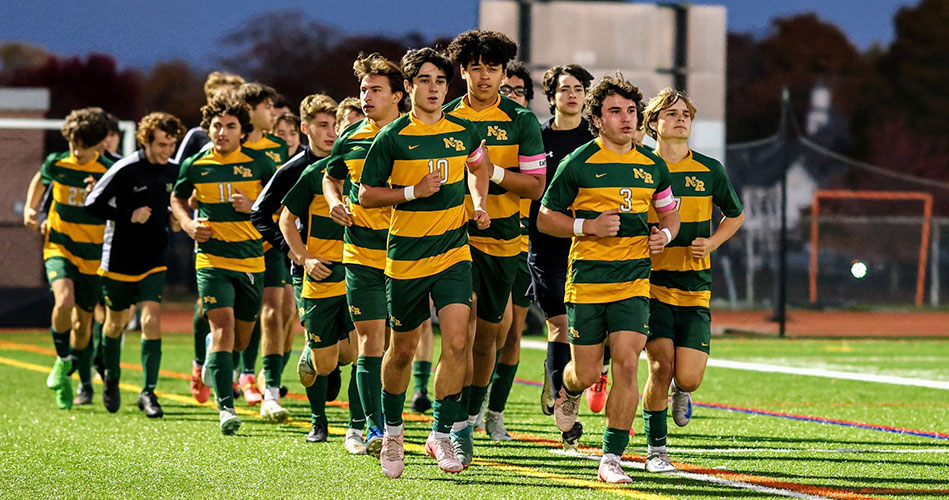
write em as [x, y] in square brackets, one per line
[249, 355]
[357, 417]
[421, 372]
[655, 426]
[111, 354]
[478, 393]
[83, 365]
[286, 359]
[501, 386]
[392, 405]
[445, 412]
[316, 395]
[221, 364]
[96, 342]
[61, 343]
[201, 329]
[273, 369]
[369, 381]
[462, 410]
[615, 440]
[151, 361]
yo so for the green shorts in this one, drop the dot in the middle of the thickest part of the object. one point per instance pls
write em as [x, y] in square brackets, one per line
[492, 278]
[297, 282]
[591, 324]
[366, 292]
[522, 281]
[326, 321]
[687, 326]
[276, 274]
[408, 299]
[226, 288]
[86, 287]
[120, 295]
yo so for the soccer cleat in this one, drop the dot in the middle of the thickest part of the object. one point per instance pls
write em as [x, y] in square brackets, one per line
[110, 395]
[230, 422]
[659, 462]
[374, 441]
[392, 455]
[354, 443]
[59, 375]
[271, 411]
[148, 402]
[317, 432]
[248, 385]
[420, 402]
[64, 395]
[83, 398]
[681, 406]
[494, 426]
[547, 396]
[305, 369]
[596, 394]
[236, 390]
[333, 384]
[283, 391]
[199, 390]
[463, 445]
[444, 453]
[611, 471]
[571, 438]
[565, 410]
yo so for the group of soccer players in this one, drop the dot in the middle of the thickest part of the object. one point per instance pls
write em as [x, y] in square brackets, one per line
[400, 203]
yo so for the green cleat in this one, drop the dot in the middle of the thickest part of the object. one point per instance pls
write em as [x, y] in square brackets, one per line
[59, 375]
[64, 395]
[463, 444]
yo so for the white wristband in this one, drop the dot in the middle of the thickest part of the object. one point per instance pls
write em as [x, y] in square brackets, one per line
[578, 227]
[667, 233]
[409, 193]
[498, 175]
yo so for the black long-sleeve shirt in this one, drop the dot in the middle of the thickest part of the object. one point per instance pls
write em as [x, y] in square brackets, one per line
[192, 143]
[131, 248]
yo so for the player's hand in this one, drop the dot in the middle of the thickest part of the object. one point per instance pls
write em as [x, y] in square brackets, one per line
[141, 214]
[198, 230]
[317, 268]
[44, 227]
[430, 185]
[606, 225]
[486, 159]
[700, 247]
[341, 215]
[193, 200]
[657, 240]
[173, 222]
[241, 202]
[90, 183]
[29, 218]
[482, 219]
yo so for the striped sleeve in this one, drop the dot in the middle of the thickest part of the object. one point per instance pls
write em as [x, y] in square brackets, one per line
[531, 154]
[378, 166]
[663, 199]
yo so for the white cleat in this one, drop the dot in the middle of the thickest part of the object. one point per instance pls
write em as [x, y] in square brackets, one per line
[659, 462]
[681, 406]
[443, 452]
[565, 410]
[354, 442]
[392, 456]
[611, 471]
[271, 411]
[230, 422]
[494, 426]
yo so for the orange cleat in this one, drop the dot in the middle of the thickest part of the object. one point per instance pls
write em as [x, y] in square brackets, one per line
[596, 394]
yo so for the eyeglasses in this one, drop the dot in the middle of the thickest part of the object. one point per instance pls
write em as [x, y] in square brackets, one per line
[507, 90]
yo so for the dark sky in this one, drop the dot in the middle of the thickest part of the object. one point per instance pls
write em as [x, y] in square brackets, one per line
[140, 33]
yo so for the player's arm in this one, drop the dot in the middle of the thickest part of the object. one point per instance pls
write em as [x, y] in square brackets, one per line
[101, 202]
[313, 266]
[530, 181]
[180, 210]
[373, 185]
[33, 196]
[553, 218]
[726, 199]
[479, 165]
[267, 204]
[663, 201]
[333, 178]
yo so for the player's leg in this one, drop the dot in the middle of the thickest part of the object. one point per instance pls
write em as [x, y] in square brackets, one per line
[547, 288]
[217, 292]
[151, 355]
[354, 441]
[114, 326]
[324, 329]
[88, 293]
[64, 300]
[366, 296]
[422, 368]
[200, 331]
[273, 335]
[693, 335]
[504, 373]
[290, 320]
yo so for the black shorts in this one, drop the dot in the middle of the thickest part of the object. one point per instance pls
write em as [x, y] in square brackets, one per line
[547, 284]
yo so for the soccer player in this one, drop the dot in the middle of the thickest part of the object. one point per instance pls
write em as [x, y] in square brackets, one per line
[269, 331]
[417, 164]
[110, 146]
[73, 242]
[230, 262]
[319, 116]
[600, 195]
[565, 88]
[287, 127]
[517, 84]
[680, 285]
[133, 197]
[382, 96]
[513, 136]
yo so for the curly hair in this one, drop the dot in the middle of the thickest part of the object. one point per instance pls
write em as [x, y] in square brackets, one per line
[607, 86]
[376, 64]
[167, 123]
[347, 104]
[255, 93]
[86, 127]
[218, 80]
[485, 46]
[315, 104]
[414, 59]
[226, 103]
[665, 99]
[517, 69]
[552, 78]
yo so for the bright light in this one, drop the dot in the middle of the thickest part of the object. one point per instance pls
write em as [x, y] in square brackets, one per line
[858, 269]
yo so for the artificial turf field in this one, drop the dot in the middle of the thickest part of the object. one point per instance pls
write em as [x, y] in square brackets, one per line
[754, 434]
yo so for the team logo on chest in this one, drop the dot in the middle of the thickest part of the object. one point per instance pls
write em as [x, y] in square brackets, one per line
[497, 132]
[242, 171]
[693, 182]
[274, 156]
[639, 173]
[457, 144]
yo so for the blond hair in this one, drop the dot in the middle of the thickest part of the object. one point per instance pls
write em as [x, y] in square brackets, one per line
[315, 104]
[665, 99]
[218, 80]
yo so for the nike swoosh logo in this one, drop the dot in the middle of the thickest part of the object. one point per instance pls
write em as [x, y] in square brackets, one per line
[205, 173]
[600, 175]
[704, 344]
[139, 189]
[413, 147]
[356, 148]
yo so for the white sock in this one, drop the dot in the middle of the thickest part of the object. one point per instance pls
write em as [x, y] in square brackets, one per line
[394, 430]
[661, 450]
[272, 394]
[472, 419]
[459, 426]
[437, 435]
[609, 457]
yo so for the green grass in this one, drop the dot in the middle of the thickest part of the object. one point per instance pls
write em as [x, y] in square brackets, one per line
[87, 452]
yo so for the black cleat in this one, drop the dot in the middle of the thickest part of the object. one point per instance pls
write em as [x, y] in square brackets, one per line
[571, 438]
[110, 396]
[420, 402]
[317, 434]
[283, 391]
[333, 384]
[83, 398]
[148, 402]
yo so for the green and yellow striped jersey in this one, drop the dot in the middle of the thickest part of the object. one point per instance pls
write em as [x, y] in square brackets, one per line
[592, 180]
[525, 215]
[324, 237]
[271, 146]
[71, 233]
[698, 182]
[235, 243]
[512, 135]
[364, 242]
[426, 235]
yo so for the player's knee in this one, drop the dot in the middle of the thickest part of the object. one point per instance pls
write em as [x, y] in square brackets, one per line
[688, 381]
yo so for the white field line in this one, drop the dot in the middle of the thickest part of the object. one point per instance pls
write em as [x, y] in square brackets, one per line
[673, 451]
[704, 477]
[792, 370]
